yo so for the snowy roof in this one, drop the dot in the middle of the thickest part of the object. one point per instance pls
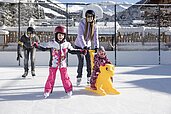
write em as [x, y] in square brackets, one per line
[138, 22]
[168, 31]
[130, 29]
[4, 32]
[155, 30]
[142, 29]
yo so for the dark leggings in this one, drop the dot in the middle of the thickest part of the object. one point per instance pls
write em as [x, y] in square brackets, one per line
[81, 63]
[32, 53]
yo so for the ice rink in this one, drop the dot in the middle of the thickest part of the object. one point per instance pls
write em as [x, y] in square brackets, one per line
[144, 90]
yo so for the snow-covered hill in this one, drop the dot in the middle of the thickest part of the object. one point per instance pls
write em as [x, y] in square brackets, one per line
[51, 9]
[109, 7]
[16, 1]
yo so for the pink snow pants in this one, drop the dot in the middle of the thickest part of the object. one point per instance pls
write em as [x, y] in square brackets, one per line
[52, 76]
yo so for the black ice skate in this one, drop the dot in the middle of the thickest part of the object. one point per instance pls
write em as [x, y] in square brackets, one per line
[25, 74]
[78, 81]
[88, 80]
[33, 73]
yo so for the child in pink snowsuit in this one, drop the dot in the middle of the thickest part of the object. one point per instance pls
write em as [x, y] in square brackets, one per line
[99, 59]
[58, 52]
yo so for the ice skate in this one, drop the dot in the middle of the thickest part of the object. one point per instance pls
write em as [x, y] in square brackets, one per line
[69, 94]
[78, 81]
[46, 95]
[25, 74]
[88, 80]
[33, 73]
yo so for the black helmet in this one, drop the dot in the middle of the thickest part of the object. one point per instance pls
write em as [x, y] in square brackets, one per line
[31, 30]
[90, 12]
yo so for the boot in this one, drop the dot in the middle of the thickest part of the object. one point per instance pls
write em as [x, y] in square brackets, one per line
[33, 73]
[88, 80]
[78, 81]
[46, 94]
[69, 94]
[25, 74]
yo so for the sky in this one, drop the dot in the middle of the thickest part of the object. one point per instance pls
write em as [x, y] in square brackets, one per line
[93, 1]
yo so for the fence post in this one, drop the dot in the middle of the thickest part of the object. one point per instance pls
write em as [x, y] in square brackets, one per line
[159, 31]
[67, 27]
[19, 26]
[115, 34]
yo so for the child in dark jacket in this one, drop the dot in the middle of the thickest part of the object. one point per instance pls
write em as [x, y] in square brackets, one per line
[26, 41]
[99, 59]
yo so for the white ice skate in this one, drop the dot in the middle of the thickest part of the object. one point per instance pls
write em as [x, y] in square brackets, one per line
[46, 95]
[69, 94]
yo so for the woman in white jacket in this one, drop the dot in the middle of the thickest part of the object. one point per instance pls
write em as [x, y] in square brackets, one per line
[87, 35]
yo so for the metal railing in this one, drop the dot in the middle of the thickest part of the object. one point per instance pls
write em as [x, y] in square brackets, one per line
[122, 25]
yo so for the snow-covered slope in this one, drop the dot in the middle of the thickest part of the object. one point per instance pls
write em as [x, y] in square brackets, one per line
[16, 1]
[108, 6]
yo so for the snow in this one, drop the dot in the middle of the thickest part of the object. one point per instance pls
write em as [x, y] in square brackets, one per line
[47, 10]
[4, 32]
[138, 22]
[168, 31]
[59, 5]
[75, 8]
[142, 29]
[128, 30]
[108, 6]
[144, 90]
[16, 1]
